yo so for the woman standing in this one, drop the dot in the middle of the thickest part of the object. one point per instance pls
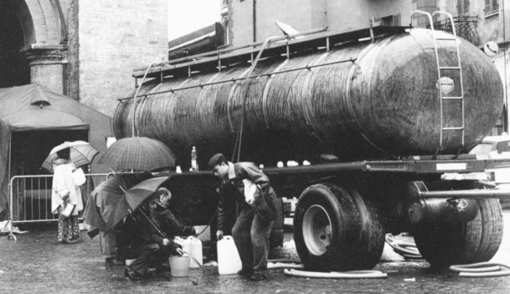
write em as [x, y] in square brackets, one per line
[65, 191]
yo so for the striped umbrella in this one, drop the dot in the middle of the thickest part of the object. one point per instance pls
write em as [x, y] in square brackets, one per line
[138, 153]
[81, 153]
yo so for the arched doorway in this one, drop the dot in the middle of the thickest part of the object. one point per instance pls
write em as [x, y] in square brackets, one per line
[14, 67]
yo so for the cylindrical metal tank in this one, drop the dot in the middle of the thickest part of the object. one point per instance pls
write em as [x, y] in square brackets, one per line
[384, 103]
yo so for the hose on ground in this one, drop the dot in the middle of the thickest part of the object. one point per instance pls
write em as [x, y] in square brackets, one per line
[284, 265]
[294, 268]
[482, 269]
[368, 274]
[406, 249]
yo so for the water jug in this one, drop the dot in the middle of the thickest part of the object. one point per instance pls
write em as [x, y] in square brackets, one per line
[229, 261]
[185, 243]
[204, 232]
[195, 252]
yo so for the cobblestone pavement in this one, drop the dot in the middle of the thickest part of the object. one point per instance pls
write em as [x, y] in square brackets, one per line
[36, 263]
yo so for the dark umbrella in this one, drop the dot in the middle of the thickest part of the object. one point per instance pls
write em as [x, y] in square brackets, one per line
[138, 153]
[112, 202]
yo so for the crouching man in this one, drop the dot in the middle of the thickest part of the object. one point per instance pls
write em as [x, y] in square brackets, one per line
[155, 227]
[247, 185]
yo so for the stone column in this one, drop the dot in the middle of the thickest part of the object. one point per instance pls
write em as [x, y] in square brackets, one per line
[48, 66]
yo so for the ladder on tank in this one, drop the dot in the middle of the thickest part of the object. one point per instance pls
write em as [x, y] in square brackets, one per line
[445, 84]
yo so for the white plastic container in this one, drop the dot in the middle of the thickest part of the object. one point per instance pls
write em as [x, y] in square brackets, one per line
[193, 247]
[185, 243]
[205, 231]
[229, 262]
[195, 252]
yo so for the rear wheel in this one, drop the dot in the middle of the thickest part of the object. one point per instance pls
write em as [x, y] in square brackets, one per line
[336, 230]
[463, 242]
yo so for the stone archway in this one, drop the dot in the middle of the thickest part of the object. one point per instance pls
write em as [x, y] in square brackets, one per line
[35, 33]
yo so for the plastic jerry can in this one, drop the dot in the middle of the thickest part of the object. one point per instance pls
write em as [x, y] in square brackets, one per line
[229, 261]
[195, 252]
[185, 243]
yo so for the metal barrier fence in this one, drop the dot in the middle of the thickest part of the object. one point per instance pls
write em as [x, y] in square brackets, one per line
[30, 197]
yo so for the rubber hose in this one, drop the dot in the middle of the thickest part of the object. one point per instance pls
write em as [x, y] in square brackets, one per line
[194, 259]
[406, 249]
[279, 263]
[285, 265]
[369, 274]
[285, 260]
[482, 269]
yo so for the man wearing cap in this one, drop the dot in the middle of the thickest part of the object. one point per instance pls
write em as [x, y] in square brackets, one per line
[246, 184]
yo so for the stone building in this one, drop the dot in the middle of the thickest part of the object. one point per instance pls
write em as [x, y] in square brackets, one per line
[83, 49]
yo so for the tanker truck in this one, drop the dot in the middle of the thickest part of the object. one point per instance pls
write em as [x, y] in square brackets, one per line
[377, 116]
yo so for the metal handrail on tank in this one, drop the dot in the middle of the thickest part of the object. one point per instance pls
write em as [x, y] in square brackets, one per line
[240, 79]
[217, 53]
[229, 53]
[195, 60]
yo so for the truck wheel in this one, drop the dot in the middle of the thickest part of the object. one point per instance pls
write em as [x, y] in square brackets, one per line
[372, 233]
[331, 230]
[276, 237]
[465, 242]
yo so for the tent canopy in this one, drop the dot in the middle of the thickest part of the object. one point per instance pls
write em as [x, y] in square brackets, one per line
[35, 108]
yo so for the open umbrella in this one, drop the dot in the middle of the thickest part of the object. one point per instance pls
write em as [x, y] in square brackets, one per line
[138, 153]
[111, 203]
[82, 153]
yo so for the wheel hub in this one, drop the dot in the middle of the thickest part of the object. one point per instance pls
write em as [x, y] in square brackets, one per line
[317, 231]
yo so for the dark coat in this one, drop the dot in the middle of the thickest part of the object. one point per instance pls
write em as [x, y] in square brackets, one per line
[232, 190]
[137, 231]
[106, 196]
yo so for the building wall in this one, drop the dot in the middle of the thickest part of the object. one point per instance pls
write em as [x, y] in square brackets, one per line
[297, 13]
[491, 26]
[88, 49]
[352, 15]
[303, 15]
[116, 36]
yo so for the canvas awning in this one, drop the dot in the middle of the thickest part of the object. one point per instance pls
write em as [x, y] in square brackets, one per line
[33, 107]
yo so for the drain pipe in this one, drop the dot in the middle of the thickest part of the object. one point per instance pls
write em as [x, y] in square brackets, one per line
[254, 20]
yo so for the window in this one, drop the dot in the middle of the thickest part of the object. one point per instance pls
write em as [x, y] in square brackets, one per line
[463, 7]
[226, 31]
[491, 7]
[392, 20]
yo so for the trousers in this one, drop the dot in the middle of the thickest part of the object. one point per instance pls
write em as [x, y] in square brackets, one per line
[251, 236]
[150, 255]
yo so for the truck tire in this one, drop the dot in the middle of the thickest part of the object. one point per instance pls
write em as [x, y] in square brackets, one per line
[372, 233]
[276, 236]
[332, 230]
[478, 240]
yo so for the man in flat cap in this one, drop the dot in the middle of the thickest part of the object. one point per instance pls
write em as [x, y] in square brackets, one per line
[246, 184]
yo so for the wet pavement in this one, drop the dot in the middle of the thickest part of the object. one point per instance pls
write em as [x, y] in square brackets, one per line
[37, 263]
